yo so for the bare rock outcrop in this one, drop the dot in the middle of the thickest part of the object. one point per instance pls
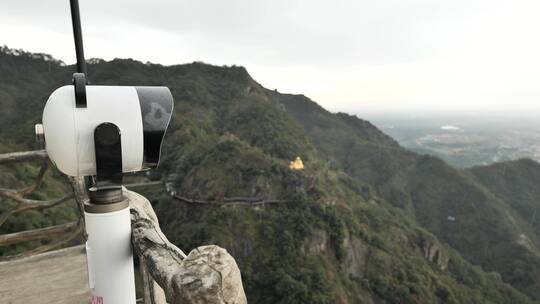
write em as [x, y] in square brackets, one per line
[356, 254]
[434, 253]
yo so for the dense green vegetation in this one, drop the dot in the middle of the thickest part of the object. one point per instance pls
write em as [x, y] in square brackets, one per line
[487, 227]
[365, 222]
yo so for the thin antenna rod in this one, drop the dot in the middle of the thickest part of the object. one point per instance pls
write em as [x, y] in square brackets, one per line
[77, 35]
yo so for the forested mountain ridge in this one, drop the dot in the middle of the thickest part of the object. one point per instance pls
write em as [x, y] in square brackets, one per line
[472, 217]
[365, 222]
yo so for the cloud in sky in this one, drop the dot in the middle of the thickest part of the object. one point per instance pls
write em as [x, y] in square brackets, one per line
[347, 55]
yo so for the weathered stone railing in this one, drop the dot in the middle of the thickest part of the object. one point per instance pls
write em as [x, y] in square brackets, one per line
[208, 274]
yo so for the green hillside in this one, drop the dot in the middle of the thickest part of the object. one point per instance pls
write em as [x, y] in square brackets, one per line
[517, 184]
[365, 222]
[485, 226]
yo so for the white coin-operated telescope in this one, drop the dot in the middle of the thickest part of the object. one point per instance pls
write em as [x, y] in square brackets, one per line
[79, 125]
[101, 132]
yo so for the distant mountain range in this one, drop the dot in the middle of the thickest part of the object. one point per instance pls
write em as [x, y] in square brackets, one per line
[365, 221]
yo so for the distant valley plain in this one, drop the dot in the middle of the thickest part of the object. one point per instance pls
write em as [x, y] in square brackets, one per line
[464, 140]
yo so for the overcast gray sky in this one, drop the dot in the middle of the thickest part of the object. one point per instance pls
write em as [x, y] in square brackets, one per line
[347, 55]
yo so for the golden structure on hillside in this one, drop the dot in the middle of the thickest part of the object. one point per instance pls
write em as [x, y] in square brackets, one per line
[296, 164]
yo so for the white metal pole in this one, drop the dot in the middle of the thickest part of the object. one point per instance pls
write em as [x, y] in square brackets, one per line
[110, 257]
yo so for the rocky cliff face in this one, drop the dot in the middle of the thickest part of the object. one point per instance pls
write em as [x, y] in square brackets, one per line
[356, 255]
[435, 254]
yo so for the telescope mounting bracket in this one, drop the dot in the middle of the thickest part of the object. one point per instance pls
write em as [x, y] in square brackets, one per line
[107, 187]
